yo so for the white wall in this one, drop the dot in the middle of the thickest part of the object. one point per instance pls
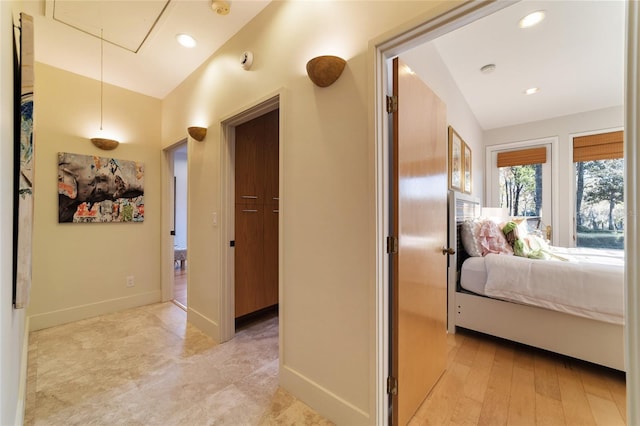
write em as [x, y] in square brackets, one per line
[327, 205]
[180, 172]
[563, 128]
[12, 322]
[426, 62]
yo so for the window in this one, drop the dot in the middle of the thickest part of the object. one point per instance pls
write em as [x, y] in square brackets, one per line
[520, 181]
[599, 175]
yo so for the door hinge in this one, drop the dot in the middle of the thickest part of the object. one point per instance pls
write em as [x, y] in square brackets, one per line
[392, 385]
[392, 104]
[392, 245]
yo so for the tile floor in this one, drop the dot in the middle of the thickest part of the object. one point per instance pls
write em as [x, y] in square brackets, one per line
[147, 366]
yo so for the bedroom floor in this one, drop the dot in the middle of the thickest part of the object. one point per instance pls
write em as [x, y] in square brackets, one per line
[148, 366]
[180, 284]
[490, 381]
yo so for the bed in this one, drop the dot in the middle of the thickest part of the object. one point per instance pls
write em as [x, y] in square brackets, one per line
[482, 296]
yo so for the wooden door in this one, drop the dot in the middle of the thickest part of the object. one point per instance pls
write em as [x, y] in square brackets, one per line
[256, 214]
[249, 258]
[249, 162]
[419, 221]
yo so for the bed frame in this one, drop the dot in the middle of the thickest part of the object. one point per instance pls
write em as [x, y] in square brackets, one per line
[583, 338]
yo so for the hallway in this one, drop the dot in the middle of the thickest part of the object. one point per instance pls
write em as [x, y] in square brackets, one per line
[147, 366]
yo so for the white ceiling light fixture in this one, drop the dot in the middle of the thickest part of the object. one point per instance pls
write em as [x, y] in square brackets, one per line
[220, 7]
[532, 91]
[186, 40]
[534, 18]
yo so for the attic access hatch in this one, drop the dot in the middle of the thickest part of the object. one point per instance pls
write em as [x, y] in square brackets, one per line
[126, 24]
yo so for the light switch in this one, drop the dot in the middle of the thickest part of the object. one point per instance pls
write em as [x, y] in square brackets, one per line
[214, 217]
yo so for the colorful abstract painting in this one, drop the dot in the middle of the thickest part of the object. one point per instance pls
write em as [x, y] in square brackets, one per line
[99, 189]
[24, 181]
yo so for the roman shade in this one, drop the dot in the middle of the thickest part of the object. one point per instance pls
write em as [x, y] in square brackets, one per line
[603, 146]
[522, 157]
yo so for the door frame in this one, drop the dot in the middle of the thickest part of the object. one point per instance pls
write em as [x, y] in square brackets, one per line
[166, 222]
[443, 19]
[228, 124]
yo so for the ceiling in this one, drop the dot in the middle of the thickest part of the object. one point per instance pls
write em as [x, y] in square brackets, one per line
[575, 56]
[140, 48]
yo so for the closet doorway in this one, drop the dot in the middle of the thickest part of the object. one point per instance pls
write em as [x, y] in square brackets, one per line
[252, 211]
[179, 233]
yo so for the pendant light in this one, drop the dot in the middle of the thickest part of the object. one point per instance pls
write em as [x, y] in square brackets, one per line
[103, 143]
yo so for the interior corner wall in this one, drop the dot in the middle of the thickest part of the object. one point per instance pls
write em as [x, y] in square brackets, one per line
[327, 199]
[80, 269]
[427, 63]
[562, 127]
[12, 321]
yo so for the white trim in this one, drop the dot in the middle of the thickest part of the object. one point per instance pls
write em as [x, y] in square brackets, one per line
[442, 19]
[632, 204]
[555, 170]
[322, 399]
[207, 325]
[228, 123]
[90, 310]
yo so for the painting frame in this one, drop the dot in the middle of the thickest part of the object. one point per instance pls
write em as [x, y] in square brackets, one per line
[24, 160]
[466, 169]
[455, 165]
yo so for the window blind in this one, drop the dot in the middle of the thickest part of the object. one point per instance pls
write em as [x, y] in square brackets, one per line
[604, 146]
[522, 157]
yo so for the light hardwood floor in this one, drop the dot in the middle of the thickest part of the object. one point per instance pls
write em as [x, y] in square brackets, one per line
[180, 284]
[490, 381]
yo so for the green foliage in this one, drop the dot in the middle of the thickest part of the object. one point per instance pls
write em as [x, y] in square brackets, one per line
[520, 190]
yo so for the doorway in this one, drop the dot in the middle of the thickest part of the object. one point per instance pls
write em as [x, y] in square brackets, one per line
[174, 221]
[231, 271]
[180, 177]
[392, 47]
[256, 147]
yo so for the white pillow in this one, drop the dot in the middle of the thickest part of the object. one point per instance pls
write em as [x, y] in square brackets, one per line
[469, 231]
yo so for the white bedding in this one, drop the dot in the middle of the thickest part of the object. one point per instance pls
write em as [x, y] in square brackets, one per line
[588, 283]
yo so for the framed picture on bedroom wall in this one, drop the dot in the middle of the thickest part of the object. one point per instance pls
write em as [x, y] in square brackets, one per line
[455, 168]
[466, 167]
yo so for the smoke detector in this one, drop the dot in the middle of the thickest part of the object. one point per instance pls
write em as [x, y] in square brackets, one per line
[220, 7]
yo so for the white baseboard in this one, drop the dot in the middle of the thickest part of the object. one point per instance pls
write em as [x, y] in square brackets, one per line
[22, 387]
[76, 313]
[206, 325]
[326, 403]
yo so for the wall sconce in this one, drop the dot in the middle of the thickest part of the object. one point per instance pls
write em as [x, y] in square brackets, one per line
[106, 144]
[198, 133]
[325, 70]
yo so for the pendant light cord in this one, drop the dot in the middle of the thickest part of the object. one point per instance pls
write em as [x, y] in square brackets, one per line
[101, 74]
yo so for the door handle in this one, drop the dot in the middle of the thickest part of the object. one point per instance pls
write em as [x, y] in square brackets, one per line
[449, 250]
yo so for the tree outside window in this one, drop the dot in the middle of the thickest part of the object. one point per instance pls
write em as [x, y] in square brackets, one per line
[600, 203]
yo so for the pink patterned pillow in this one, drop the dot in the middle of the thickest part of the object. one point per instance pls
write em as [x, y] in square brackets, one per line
[492, 240]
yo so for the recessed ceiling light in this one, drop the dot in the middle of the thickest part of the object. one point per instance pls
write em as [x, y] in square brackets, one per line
[186, 40]
[532, 19]
[531, 91]
[489, 68]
